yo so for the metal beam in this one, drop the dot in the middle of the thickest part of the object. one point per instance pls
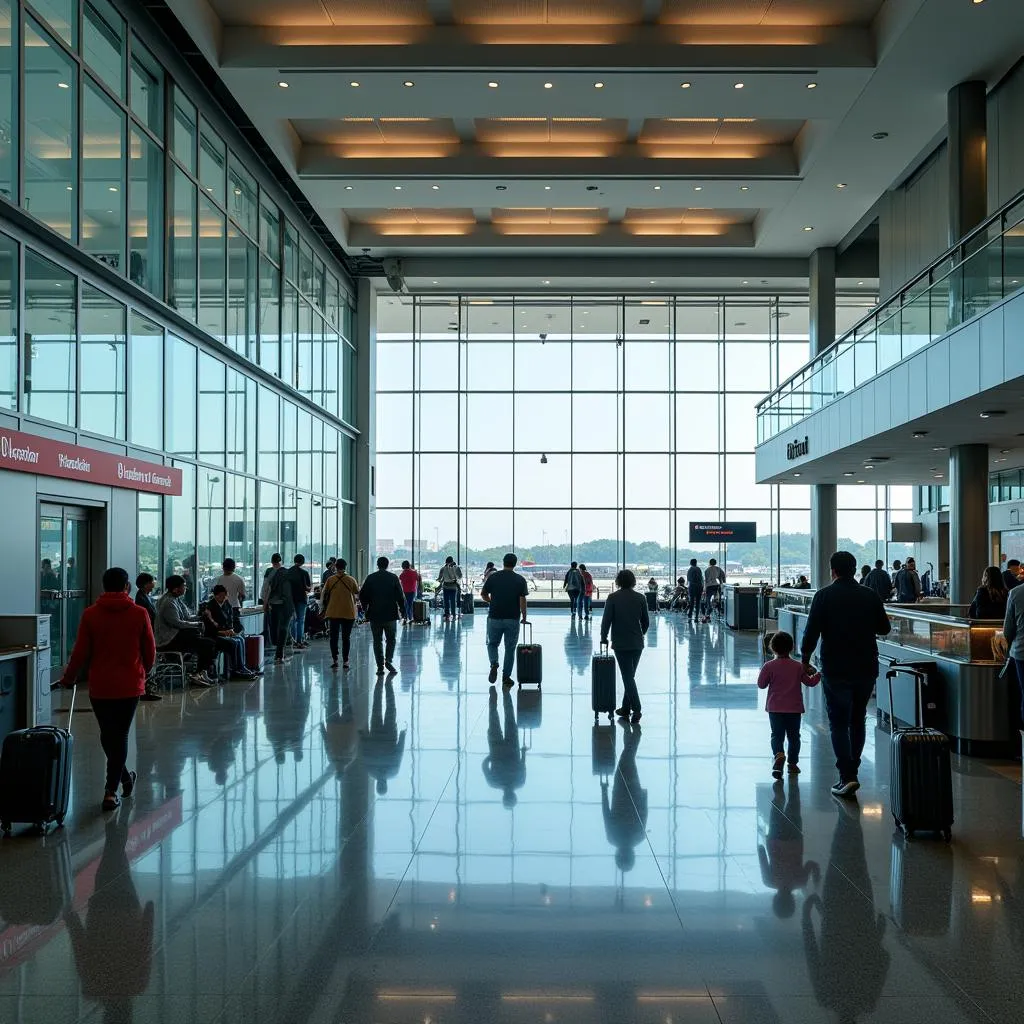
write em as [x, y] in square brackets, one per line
[449, 48]
[440, 11]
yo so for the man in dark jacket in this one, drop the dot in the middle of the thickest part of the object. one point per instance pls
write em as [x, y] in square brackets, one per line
[846, 617]
[1010, 577]
[382, 599]
[879, 580]
[694, 588]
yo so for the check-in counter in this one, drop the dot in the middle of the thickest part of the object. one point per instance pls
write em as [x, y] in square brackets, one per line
[17, 677]
[741, 603]
[976, 704]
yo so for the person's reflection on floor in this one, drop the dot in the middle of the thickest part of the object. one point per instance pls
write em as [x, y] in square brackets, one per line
[848, 963]
[285, 717]
[410, 655]
[505, 765]
[449, 664]
[114, 948]
[578, 646]
[340, 735]
[782, 853]
[625, 817]
[381, 746]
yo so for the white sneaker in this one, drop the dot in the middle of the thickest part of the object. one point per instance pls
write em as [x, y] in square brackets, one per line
[199, 679]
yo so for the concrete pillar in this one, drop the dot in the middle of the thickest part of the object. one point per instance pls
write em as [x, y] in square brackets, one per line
[823, 533]
[968, 520]
[366, 421]
[968, 157]
[822, 317]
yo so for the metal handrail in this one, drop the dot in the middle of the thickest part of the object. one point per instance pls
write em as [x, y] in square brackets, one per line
[951, 260]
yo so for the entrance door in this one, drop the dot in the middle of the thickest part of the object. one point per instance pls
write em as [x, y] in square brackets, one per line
[64, 573]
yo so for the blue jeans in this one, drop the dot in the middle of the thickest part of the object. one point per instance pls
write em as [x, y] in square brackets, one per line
[497, 629]
[695, 598]
[451, 599]
[299, 622]
[574, 602]
[409, 598]
[846, 701]
[786, 726]
[588, 605]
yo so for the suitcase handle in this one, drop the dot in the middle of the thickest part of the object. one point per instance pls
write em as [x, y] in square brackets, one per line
[918, 698]
[71, 709]
[527, 622]
[603, 645]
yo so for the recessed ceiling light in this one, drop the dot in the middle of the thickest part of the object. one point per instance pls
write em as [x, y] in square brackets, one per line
[860, 284]
[545, 282]
[939, 448]
[920, 433]
[492, 85]
[501, 188]
[63, 85]
[808, 228]
[70, 188]
[1004, 451]
[436, 188]
[238, 191]
[840, 184]
[398, 188]
[938, 476]
[657, 188]
[547, 188]
[408, 84]
[549, 85]
[992, 413]
[282, 85]
[698, 188]
[878, 136]
[744, 188]
[848, 474]
[860, 481]
[796, 474]
[684, 85]
[999, 460]
[599, 85]
[654, 282]
[348, 188]
[111, 188]
[812, 85]
[746, 282]
[869, 467]
[738, 85]
[355, 85]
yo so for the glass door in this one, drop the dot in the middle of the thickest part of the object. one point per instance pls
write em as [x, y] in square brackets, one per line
[64, 573]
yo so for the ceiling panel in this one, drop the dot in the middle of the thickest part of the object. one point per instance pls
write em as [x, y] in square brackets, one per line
[547, 12]
[769, 12]
[271, 12]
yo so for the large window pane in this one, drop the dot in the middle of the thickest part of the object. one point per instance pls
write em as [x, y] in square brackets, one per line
[289, 328]
[212, 408]
[184, 268]
[103, 187]
[51, 371]
[596, 423]
[149, 549]
[210, 529]
[543, 366]
[103, 44]
[270, 316]
[180, 398]
[180, 530]
[394, 480]
[8, 323]
[543, 484]
[51, 136]
[62, 18]
[542, 422]
[394, 423]
[212, 163]
[145, 214]
[147, 88]
[241, 422]
[147, 378]
[184, 132]
[241, 328]
[103, 364]
[270, 229]
[698, 422]
[212, 268]
[240, 535]
[268, 427]
[8, 105]
[242, 197]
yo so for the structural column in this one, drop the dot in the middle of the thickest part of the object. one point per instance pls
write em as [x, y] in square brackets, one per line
[968, 157]
[822, 317]
[366, 420]
[968, 520]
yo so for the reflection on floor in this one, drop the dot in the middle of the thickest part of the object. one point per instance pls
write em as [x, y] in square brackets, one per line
[325, 848]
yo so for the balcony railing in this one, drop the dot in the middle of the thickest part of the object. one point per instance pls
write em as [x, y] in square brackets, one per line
[981, 269]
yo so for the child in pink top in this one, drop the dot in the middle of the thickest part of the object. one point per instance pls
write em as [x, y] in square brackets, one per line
[783, 677]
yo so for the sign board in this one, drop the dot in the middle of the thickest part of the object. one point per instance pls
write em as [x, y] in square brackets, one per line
[798, 449]
[27, 453]
[723, 533]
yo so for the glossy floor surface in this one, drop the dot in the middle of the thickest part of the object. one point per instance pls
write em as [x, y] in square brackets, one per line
[318, 848]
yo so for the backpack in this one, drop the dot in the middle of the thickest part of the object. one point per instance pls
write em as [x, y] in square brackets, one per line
[573, 580]
[279, 592]
[449, 575]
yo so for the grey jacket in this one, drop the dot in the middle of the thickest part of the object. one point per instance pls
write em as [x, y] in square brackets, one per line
[625, 615]
[1013, 624]
[171, 618]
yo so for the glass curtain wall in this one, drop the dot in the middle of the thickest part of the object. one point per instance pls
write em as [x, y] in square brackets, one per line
[595, 429]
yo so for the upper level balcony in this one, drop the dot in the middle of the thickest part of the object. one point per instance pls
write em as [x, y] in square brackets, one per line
[981, 270]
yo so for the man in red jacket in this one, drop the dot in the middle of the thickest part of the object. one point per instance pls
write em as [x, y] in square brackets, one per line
[115, 650]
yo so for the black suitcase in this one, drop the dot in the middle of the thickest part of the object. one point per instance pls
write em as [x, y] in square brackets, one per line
[602, 750]
[652, 600]
[602, 683]
[529, 665]
[528, 709]
[45, 885]
[35, 775]
[419, 612]
[921, 888]
[920, 777]
[467, 604]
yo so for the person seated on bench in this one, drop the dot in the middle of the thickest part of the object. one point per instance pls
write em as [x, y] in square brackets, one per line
[219, 628]
[176, 629]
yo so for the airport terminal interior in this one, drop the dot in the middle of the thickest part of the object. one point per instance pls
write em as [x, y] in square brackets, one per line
[630, 284]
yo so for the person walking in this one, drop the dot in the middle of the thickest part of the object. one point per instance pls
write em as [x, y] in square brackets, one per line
[449, 577]
[411, 582]
[782, 678]
[382, 600]
[504, 592]
[879, 580]
[573, 586]
[115, 650]
[625, 617]
[278, 605]
[908, 583]
[846, 617]
[235, 587]
[714, 580]
[144, 584]
[694, 589]
[1013, 632]
[991, 597]
[301, 585]
[338, 598]
[588, 593]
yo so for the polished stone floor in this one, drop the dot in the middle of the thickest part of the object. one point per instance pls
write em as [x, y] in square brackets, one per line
[315, 848]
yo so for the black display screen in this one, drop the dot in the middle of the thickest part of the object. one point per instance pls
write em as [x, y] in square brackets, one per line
[718, 533]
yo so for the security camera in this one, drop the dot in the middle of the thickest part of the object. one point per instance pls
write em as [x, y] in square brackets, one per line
[394, 275]
[543, 337]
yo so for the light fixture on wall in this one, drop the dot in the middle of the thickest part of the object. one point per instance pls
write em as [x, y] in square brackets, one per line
[543, 460]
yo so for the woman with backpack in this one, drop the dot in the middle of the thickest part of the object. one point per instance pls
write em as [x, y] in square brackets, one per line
[574, 586]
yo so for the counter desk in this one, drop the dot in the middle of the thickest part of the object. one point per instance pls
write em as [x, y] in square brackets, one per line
[976, 702]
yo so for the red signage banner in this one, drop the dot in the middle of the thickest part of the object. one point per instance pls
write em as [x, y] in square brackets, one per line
[27, 453]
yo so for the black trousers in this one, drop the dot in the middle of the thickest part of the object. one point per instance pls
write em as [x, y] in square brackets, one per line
[114, 717]
[344, 626]
[190, 641]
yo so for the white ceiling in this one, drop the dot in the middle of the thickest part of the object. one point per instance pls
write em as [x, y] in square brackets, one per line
[626, 181]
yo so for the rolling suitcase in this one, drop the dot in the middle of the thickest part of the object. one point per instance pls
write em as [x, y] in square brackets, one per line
[602, 683]
[467, 604]
[419, 613]
[920, 777]
[35, 775]
[602, 750]
[652, 600]
[528, 661]
[254, 652]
